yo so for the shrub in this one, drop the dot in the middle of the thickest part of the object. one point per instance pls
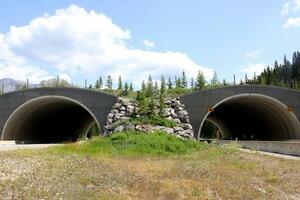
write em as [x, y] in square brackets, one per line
[133, 143]
[154, 120]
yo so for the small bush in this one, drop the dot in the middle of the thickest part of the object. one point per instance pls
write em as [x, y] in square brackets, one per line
[154, 120]
[162, 121]
[133, 143]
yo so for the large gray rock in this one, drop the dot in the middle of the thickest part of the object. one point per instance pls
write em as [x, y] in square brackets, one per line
[119, 128]
[177, 129]
[176, 103]
[185, 119]
[176, 120]
[166, 112]
[130, 109]
[182, 113]
[110, 116]
[117, 105]
[189, 132]
[173, 113]
[179, 108]
[187, 126]
[129, 127]
[122, 113]
[109, 121]
[114, 111]
[109, 127]
[168, 102]
[123, 118]
[122, 108]
[167, 130]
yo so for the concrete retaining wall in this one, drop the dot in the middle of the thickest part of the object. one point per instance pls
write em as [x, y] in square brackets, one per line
[283, 147]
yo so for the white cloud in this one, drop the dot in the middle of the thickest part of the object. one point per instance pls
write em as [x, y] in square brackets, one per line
[148, 44]
[292, 22]
[290, 5]
[84, 44]
[17, 67]
[253, 68]
[253, 54]
[285, 9]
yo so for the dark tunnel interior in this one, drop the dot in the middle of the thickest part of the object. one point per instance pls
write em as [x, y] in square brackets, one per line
[48, 120]
[254, 117]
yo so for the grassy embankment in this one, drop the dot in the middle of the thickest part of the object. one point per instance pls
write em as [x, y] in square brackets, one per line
[145, 166]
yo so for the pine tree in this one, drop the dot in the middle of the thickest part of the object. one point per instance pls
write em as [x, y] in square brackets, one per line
[120, 84]
[155, 87]
[151, 106]
[97, 86]
[149, 90]
[183, 80]
[126, 89]
[109, 82]
[224, 82]
[200, 81]
[215, 80]
[268, 76]
[246, 79]
[143, 104]
[162, 84]
[192, 83]
[177, 82]
[143, 88]
[286, 74]
[241, 82]
[130, 87]
[170, 84]
[100, 82]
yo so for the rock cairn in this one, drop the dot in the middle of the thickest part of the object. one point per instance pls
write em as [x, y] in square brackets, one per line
[176, 111]
[123, 110]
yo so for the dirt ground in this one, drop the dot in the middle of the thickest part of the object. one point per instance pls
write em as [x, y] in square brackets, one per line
[209, 174]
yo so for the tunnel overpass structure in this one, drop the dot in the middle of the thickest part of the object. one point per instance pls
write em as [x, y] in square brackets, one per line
[248, 113]
[49, 115]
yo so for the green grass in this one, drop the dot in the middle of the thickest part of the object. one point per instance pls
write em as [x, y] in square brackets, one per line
[132, 143]
[133, 165]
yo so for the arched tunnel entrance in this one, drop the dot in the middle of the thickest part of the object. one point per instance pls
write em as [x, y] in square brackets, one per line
[253, 117]
[49, 119]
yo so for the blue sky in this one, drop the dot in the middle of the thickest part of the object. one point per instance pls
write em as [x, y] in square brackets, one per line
[230, 37]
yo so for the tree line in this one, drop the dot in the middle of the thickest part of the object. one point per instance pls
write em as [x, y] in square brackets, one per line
[285, 74]
[177, 84]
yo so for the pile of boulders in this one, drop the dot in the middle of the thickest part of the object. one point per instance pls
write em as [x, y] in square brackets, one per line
[176, 111]
[124, 109]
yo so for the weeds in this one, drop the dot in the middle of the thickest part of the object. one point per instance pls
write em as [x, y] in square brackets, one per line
[133, 143]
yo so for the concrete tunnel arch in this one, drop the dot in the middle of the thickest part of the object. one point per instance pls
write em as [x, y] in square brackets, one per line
[49, 119]
[251, 116]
